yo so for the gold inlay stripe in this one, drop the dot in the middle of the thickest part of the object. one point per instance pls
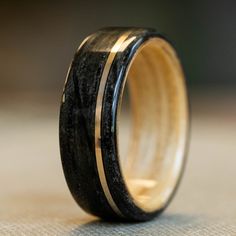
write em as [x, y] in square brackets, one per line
[117, 47]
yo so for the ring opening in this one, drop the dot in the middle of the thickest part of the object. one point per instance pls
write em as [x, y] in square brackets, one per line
[153, 125]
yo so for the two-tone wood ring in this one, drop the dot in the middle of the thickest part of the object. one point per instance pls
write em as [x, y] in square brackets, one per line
[138, 183]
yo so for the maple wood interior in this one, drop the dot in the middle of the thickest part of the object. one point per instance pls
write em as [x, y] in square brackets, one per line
[153, 127]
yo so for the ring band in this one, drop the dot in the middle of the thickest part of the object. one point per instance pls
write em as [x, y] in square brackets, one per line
[137, 184]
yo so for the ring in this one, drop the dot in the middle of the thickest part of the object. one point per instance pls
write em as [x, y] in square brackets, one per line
[124, 124]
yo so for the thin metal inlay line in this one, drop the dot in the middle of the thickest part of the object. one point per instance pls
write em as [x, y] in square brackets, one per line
[101, 172]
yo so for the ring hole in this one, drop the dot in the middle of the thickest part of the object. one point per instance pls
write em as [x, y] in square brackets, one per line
[153, 127]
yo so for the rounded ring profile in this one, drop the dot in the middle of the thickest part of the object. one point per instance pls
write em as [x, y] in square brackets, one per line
[104, 181]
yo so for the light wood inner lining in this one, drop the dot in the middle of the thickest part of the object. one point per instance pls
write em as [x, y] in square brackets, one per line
[152, 145]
